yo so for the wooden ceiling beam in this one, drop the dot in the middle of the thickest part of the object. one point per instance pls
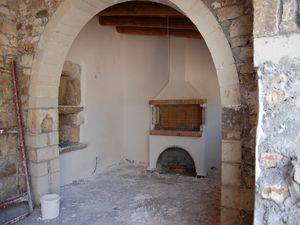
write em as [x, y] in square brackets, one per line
[159, 32]
[136, 8]
[154, 22]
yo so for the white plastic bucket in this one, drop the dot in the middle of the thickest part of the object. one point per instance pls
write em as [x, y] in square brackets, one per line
[50, 206]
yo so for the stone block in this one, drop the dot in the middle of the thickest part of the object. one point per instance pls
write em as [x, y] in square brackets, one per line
[247, 199]
[69, 91]
[13, 5]
[37, 169]
[230, 197]
[47, 124]
[42, 102]
[52, 138]
[72, 70]
[247, 67]
[289, 18]
[8, 169]
[26, 60]
[231, 151]
[239, 41]
[276, 193]
[55, 183]
[246, 53]
[4, 40]
[230, 96]
[36, 141]
[69, 134]
[43, 168]
[231, 123]
[231, 174]
[43, 154]
[36, 4]
[8, 27]
[229, 216]
[39, 188]
[241, 26]
[42, 120]
[276, 96]
[47, 184]
[231, 12]
[269, 160]
[266, 17]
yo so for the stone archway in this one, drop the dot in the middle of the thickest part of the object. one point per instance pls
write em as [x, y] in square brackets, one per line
[56, 40]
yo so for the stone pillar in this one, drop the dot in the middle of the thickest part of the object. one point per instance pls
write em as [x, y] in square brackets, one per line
[43, 151]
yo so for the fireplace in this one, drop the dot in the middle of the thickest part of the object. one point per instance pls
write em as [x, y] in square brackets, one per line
[178, 113]
[176, 160]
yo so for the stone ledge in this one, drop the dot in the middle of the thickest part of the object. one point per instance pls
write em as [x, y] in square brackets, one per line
[72, 147]
[69, 109]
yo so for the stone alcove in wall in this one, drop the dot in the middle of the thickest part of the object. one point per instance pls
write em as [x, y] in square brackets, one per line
[69, 19]
[69, 100]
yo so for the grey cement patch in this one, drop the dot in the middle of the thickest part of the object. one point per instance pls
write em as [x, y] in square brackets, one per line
[124, 196]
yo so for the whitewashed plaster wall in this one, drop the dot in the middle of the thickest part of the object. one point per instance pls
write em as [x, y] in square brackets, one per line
[120, 74]
[201, 73]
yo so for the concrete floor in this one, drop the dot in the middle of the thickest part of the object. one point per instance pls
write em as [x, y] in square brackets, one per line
[124, 196]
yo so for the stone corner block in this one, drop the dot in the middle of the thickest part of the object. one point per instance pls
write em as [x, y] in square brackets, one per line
[231, 174]
[43, 154]
[231, 151]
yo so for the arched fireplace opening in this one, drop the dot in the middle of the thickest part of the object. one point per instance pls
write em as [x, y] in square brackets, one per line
[175, 160]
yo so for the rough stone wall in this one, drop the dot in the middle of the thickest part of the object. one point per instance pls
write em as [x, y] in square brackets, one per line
[21, 24]
[277, 58]
[235, 17]
[11, 172]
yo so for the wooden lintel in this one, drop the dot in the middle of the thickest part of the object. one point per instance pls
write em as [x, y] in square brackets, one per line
[136, 8]
[178, 102]
[176, 133]
[159, 32]
[153, 22]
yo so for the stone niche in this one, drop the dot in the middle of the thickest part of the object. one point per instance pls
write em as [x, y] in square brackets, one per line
[69, 108]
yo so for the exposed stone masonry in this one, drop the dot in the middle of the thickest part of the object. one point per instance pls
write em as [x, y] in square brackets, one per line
[276, 23]
[11, 173]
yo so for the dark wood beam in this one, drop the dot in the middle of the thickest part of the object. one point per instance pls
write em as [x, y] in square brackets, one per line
[159, 32]
[154, 22]
[136, 8]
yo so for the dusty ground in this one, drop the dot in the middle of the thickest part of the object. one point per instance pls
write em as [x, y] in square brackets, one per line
[123, 196]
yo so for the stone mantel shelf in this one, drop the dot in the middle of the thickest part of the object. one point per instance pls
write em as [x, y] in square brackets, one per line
[72, 147]
[176, 133]
[69, 109]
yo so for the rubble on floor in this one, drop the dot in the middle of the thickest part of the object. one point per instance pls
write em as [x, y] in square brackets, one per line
[126, 196]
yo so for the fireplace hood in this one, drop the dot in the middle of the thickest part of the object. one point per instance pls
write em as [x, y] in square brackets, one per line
[178, 87]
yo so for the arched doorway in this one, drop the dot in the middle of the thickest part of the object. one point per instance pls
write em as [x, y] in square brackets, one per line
[57, 38]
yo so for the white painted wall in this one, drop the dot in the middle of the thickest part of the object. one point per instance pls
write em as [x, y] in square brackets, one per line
[201, 73]
[120, 74]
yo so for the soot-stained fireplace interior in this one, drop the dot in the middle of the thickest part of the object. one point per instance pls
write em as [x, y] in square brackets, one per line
[176, 160]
